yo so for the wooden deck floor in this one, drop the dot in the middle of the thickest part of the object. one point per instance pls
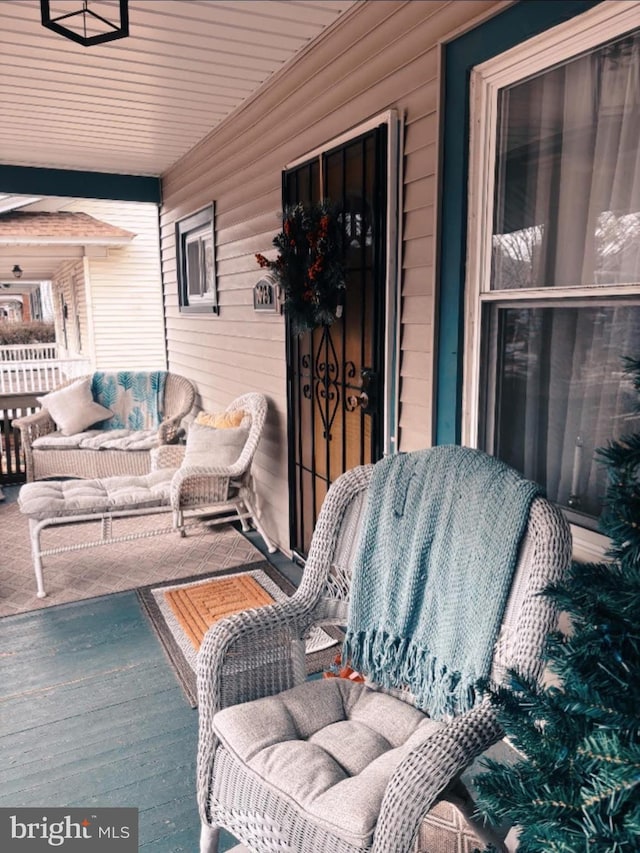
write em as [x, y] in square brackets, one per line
[91, 714]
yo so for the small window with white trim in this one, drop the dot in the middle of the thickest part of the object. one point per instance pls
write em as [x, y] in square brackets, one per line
[195, 244]
[553, 287]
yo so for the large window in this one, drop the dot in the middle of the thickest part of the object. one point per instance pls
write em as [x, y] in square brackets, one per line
[554, 258]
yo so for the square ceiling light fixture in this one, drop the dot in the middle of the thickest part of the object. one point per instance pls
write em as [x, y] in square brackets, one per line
[88, 24]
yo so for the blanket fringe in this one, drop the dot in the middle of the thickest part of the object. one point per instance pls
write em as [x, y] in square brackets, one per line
[396, 662]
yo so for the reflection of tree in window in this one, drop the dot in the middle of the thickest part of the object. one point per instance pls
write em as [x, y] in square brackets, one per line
[516, 257]
[568, 168]
[560, 386]
[617, 248]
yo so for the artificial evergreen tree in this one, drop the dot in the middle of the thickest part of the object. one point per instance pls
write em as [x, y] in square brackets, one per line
[576, 788]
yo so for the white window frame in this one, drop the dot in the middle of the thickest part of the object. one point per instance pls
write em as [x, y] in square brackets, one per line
[582, 33]
[196, 227]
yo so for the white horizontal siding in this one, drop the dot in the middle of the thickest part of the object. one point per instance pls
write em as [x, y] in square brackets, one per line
[384, 55]
[125, 290]
[68, 282]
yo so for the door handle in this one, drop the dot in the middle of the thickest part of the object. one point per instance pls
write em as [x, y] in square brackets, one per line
[361, 401]
[366, 396]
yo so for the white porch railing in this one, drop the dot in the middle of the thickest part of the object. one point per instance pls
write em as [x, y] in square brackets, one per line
[39, 375]
[27, 352]
[26, 371]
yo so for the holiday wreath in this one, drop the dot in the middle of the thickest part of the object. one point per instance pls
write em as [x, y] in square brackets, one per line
[309, 267]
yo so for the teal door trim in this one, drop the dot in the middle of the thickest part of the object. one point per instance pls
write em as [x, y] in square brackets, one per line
[513, 26]
[31, 180]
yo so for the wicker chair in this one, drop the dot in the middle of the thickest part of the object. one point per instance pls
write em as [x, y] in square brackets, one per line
[242, 783]
[48, 462]
[223, 491]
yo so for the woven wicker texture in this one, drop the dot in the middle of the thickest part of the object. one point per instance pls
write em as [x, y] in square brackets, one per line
[320, 647]
[256, 654]
[218, 485]
[179, 396]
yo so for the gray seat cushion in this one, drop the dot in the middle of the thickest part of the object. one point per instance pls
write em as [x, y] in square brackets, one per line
[55, 498]
[329, 747]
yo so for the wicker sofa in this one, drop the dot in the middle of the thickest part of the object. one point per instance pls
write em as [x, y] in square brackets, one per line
[103, 451]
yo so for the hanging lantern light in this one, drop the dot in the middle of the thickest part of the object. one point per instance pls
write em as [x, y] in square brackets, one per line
[84, 25]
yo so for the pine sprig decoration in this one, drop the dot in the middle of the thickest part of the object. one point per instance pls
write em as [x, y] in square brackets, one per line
[577, 787]
[309, 267]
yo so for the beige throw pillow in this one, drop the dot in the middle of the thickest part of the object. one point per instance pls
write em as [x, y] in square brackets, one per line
[208, 447]
[73, 408]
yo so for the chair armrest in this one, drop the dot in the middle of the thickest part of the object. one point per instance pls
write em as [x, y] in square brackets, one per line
[239, 642]
[427, 771]
[170, 430]
[199, 486]
[167, 456]
[246, 656]
[33, 426]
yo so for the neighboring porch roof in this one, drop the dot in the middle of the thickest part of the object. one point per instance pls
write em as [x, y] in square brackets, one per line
[39, 241]
[24, 228]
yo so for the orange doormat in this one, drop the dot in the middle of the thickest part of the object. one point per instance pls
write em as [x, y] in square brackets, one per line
[181, 612]
[197, 607]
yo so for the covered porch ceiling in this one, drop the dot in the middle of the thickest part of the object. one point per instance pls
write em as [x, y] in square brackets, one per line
[133, 106]
[137, 105]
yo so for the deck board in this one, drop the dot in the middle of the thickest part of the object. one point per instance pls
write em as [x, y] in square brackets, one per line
[91, 714]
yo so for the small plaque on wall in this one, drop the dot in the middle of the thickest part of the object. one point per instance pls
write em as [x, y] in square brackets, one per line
[266, 295]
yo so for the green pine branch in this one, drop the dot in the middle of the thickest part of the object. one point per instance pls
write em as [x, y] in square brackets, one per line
[577, 788]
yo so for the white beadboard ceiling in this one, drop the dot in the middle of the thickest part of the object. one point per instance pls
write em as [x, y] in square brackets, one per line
[135, 106]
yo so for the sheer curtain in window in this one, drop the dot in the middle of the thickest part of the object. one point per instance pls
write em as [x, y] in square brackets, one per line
[567, 216]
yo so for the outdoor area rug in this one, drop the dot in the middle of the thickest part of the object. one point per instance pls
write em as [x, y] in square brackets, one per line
[445, 829]
[181, 614]
[77, 575]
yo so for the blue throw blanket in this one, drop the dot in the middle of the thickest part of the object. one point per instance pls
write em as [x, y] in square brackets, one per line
[136, 398]
[432, 573]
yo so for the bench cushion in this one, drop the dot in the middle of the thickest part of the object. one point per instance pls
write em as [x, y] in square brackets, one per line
[329, 746]
[98, 439]
[58, 441]
[55, 498]
[122, 439]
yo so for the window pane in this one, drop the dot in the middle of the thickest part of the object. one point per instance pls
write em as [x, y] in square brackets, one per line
[567, 209]
[207, 265]
[194, 267]
[561, 393]
[200, 261]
